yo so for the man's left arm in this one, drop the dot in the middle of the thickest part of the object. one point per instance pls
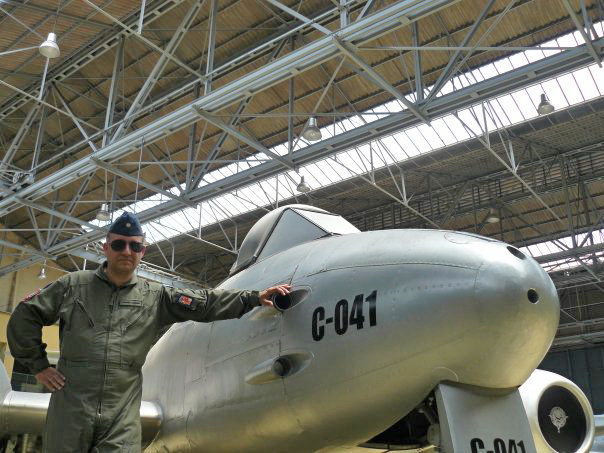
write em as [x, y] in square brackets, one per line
[208, 305]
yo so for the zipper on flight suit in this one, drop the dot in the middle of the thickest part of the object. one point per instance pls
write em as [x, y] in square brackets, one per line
[111, 307]
[80, 304]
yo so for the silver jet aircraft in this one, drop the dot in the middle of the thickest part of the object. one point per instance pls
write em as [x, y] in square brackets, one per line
[390, 340]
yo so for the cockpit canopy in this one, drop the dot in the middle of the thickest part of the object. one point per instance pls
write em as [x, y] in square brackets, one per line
[287, 227]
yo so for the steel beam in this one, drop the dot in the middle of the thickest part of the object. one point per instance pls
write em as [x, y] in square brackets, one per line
[528, 75]
[301, 17]
[122, 174]
[131, 31]
[39, 139]
[20, 136]
[245, 139]
[211, 46]
[448, 71]
[144, 270]
[105, 42]
[53, 235]
[417, 61]
[75, 119]
[591, 46]
[119, 54]
[380, 81]
[158, 69]
[29, 250]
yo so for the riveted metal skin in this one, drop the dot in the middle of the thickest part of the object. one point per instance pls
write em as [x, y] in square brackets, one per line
[449, 306]
[388, 315]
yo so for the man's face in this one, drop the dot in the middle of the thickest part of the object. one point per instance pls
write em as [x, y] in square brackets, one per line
[126, 260]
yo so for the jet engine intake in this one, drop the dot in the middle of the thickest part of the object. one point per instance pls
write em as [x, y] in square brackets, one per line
[286, 302]
[559, 414]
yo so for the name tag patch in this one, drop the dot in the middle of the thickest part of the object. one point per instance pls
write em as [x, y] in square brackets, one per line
[186, 301]
[131, 302]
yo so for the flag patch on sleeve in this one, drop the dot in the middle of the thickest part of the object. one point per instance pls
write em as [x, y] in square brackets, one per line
[186, 301]
[32, 295]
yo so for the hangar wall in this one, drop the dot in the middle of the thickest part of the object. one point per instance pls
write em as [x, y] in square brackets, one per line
[585, 367]
[14, 287]
[17, 285]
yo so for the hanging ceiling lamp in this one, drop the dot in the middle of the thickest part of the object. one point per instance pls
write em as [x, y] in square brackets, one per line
[42, 274]
[103, 213]
[303, 187]
[545, 106]
[312, 132]
[493, 216]
[50, 48]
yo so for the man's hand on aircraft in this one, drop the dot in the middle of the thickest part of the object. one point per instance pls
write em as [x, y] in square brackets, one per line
[265, 296]
[51, 378]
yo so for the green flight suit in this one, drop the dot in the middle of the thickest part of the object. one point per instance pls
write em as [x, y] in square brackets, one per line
[105, 334]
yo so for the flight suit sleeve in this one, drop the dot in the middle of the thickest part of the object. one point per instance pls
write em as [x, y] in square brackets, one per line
[177, 305]
[24, 330]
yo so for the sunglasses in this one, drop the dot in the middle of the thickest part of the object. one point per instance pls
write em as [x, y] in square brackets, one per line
[119, 245]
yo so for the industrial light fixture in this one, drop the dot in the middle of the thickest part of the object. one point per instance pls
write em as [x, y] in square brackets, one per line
[303, 187]
[103, 213]
[50, 48]
[42, 273]
[493, 216]
[312, 132]
[545, 106]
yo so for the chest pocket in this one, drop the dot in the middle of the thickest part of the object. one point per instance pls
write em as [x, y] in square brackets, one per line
[80, 327]
[137, 330]
[130, 312]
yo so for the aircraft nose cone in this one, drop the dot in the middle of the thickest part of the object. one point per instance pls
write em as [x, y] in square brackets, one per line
[519, 312]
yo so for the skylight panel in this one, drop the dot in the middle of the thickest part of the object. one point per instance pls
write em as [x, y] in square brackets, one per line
[566, 41]
[489, 71]
[347, 159]
[393, 106]
[385, 155]
[236, 203]
[319, 179]
[431, 136]
[586, 84]
[255, 194]
[469, 121]
[510, 108]
[571, 90]
[503, 65]
[416, 138]
[525, 104]
[444, 132]
[446, 89]
[476, 76]
[498, 114]
[598, 77]
[325, 171]
[534, 55]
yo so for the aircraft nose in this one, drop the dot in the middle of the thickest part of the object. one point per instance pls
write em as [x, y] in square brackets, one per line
[519, 311]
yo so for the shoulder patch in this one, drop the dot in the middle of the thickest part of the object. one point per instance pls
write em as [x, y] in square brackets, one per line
[32, 295]
[187, 301]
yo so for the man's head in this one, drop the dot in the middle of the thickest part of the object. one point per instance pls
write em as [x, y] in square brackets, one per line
[124, 246]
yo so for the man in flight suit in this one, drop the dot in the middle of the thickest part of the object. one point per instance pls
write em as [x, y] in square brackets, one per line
[108, 319]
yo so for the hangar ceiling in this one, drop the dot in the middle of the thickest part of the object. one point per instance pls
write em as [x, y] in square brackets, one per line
[191, 113]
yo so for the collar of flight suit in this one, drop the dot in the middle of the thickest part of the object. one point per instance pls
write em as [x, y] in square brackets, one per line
[100, 273]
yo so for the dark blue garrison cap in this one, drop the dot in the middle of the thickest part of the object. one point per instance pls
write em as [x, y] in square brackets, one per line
[127, 225]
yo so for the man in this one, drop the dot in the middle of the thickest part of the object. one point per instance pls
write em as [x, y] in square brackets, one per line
[109, 319]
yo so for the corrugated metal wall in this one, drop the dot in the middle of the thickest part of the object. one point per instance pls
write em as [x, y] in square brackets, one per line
[585, 367]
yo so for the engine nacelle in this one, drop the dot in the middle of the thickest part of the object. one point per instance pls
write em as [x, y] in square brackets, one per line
[560, 416]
